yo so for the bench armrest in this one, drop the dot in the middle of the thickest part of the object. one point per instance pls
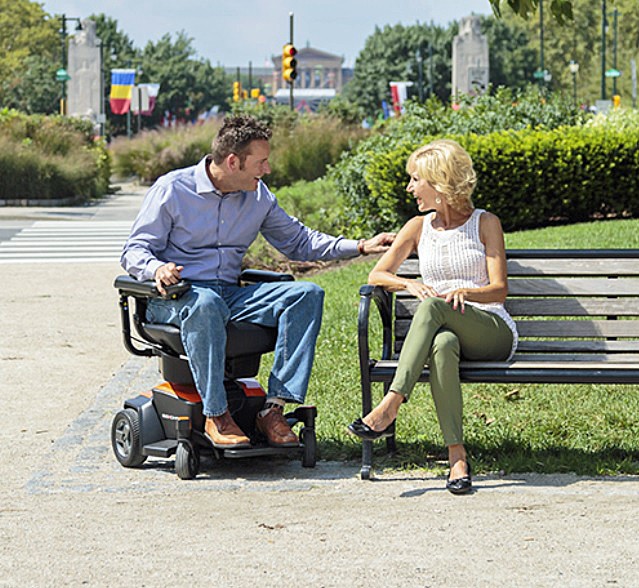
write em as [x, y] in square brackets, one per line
[384, 301]
[254, 276]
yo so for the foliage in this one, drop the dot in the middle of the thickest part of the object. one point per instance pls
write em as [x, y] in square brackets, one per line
[301, 149]
[153, 153]
[380, 159]
[581, 41]
[29, 46]
[50, 157]
[390, 54]
[562, 10]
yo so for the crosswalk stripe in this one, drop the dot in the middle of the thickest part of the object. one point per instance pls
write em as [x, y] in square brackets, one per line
[66, 242]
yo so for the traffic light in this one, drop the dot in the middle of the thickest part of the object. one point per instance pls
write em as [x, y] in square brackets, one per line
[237, 91]
[289, 63]
[616, 101]
[255, 93]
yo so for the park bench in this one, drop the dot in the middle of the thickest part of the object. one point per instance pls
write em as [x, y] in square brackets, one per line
[576, 313]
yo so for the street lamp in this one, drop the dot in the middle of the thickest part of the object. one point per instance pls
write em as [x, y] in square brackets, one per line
[574, 68]
[62, 75]
[420, 69]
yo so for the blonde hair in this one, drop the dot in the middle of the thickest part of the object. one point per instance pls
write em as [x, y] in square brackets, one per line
[448, 168]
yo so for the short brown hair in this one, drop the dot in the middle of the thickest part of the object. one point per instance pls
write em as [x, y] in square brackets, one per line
[235, 136]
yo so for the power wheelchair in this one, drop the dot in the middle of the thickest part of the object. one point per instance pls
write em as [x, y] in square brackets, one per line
[168, 419]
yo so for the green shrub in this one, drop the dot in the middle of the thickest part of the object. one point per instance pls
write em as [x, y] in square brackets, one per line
[151, 154]
[529, 177]
[301, 149]
[54, 157]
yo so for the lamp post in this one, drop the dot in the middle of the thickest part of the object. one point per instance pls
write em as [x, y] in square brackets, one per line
[574, 68]
[604, 28]
[420, 74]
[62, 75]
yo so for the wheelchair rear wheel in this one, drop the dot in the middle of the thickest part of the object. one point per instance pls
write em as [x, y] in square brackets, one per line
[125, 438]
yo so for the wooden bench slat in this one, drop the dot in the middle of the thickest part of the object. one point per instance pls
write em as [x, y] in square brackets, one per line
[573, 287]
[406, 307]
[551, 267]
[558, 328]
[580, 345]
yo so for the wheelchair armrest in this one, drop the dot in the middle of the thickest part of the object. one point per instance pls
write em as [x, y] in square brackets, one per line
[255, 275]
[129, 286]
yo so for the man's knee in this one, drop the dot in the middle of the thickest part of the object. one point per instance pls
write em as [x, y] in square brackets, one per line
[308, 291]
[203, 301]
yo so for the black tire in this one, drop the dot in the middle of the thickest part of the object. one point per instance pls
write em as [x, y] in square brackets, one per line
[187, 461]
[125, 438]
[307, 437]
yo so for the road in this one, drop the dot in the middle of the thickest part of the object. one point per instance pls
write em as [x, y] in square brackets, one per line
[71, 516]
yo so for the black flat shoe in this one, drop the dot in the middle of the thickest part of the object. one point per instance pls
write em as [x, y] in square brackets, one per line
[363, 431]
[461, 485]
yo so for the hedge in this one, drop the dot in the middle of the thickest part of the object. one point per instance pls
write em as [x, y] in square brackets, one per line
[50, 158]
[529, 178]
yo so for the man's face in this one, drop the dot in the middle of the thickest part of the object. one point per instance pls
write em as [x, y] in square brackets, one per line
[255, 166]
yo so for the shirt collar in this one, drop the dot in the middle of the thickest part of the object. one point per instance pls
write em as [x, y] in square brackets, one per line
[203, 184]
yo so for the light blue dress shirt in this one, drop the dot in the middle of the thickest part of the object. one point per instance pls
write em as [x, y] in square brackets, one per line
[186, 220]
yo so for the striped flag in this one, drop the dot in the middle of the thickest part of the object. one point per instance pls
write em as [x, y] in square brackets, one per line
[122, 81]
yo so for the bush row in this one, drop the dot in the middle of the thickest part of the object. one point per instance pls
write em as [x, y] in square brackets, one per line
[302, 147]
[44, 158]
[529, 178]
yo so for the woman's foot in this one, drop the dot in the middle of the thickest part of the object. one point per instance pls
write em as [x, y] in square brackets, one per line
[460, 477]
[380, 422]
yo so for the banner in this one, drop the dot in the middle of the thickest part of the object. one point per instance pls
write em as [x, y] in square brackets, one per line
[152, 91]
[122, 81]
[398, 95]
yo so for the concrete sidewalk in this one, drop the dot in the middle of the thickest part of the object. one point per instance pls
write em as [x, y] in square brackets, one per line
[71, 515]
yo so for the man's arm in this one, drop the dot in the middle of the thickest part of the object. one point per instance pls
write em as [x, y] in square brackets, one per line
[149, 235]
[295, 240]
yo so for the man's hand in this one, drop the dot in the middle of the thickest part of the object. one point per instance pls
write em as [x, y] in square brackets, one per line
[377, 244]
[167, 274]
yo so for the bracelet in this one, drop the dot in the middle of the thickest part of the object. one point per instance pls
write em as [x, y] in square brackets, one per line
[360, 247]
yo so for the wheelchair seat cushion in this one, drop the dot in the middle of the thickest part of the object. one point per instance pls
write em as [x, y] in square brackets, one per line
[241, 338]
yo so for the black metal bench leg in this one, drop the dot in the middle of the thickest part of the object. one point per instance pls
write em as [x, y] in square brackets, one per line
[367, 460]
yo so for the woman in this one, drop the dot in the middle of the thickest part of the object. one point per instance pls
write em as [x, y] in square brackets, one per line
[461, 315]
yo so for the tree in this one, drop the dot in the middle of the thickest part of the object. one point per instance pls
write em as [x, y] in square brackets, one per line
[391, 54]
[188, 85]
[29, 40]
[560, 9]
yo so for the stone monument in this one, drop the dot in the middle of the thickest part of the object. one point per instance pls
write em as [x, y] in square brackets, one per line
[85, 88]
[470, 59]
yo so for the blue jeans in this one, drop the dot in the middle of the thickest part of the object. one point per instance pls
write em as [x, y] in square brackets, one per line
[295, 308]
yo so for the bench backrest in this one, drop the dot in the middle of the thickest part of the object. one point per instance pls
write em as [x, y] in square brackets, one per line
[582, 304]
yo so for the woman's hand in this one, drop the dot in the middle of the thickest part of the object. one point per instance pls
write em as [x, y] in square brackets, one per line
[458, 298]
[420, 290]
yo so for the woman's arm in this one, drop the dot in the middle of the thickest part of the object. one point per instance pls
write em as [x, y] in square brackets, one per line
[492, 236]
[383, 274]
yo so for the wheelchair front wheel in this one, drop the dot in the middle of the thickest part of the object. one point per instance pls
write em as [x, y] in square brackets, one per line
[309, 456]
[187, 461]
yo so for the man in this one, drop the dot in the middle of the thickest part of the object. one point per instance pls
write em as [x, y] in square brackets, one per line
[196, 224]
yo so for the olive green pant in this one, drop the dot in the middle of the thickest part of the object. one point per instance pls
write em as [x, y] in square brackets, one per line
[438, 337]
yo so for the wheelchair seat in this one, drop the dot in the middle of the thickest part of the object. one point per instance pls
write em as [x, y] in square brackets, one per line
[245, 342]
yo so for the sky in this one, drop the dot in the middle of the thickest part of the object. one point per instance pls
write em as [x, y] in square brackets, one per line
[234, 32]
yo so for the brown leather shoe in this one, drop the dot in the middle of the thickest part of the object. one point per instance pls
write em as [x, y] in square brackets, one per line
[275, 428]
[223, 432]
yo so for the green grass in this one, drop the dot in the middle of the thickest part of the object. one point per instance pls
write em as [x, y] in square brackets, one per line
[585, 429]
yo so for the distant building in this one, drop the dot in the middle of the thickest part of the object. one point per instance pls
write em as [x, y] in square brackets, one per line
[320, 75]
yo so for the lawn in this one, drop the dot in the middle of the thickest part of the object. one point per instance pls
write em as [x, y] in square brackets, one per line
[585, 429]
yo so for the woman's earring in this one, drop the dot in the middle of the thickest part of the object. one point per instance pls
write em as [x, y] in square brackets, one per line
[438, 200]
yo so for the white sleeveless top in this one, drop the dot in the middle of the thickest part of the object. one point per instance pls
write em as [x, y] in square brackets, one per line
[456, 258]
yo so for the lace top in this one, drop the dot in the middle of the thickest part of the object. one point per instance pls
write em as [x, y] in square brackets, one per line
[456, 258]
